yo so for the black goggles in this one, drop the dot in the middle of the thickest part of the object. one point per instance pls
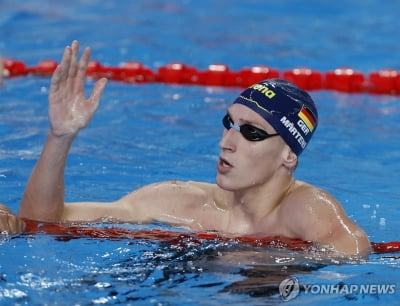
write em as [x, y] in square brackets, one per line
[248, 131]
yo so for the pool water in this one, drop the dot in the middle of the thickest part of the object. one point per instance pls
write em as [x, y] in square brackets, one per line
[155, 132]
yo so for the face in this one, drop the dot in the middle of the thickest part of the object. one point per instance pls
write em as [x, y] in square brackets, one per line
[243, 163]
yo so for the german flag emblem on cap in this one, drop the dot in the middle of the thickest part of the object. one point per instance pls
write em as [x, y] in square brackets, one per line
[307, 117]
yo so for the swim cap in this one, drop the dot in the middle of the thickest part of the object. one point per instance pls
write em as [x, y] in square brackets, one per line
[289, 109]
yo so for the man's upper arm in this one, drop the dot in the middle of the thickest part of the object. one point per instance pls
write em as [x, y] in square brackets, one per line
[96, 211]
[168, 202]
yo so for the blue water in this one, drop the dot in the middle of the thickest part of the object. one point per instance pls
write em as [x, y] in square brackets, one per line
[155, 132]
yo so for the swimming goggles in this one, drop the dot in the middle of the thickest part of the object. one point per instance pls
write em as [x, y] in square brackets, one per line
[248, 131]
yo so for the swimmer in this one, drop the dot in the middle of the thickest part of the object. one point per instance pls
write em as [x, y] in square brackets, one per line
[265, 130]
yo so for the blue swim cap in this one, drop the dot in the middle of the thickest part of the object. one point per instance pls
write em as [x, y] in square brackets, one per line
[289, 109]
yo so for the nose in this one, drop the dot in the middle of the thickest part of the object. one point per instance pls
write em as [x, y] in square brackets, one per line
[228, 142]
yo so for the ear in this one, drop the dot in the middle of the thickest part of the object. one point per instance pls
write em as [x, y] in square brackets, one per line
[289, 158]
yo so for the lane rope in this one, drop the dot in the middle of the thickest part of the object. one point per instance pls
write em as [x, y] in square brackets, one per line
[68, 232]
[385, 81]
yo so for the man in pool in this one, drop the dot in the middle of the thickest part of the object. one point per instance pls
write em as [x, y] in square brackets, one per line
[266, 129]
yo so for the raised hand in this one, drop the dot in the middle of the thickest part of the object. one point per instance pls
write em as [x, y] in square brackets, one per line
[69, 110]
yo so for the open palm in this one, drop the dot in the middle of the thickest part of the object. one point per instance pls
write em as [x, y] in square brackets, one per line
[69, 110]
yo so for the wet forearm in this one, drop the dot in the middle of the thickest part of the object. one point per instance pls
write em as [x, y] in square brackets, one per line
[43, 198]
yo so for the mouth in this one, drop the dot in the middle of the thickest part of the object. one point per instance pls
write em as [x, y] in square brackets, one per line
[223, 165]
[224, 162]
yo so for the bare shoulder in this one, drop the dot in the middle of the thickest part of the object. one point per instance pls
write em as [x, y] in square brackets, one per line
[167, 200]
[191, 191]
[313, 214]
[304, 196]
[305, 205]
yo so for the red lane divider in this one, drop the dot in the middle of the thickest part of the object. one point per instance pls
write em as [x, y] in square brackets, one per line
[305, 78]
[385, 81]
[131, 72]
[65, 233]
[346, 80]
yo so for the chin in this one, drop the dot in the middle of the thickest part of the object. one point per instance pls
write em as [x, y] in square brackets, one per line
[224, 184]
